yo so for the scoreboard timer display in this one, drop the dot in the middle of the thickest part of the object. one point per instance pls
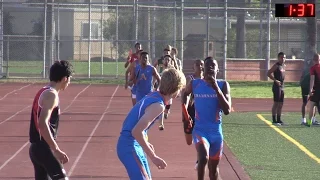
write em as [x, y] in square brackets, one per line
[295, 10]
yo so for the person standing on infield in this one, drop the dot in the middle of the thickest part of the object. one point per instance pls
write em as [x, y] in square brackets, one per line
[314, 90]
[305, 86]
[278, 71]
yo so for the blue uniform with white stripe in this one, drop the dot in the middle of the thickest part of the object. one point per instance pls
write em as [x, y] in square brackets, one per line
[144, 81]
[208, 117]
[129, 150]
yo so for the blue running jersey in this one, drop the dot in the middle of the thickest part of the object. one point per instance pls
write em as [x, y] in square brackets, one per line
[144, 78]
[208, 113]
[129, 151]
[137, 112]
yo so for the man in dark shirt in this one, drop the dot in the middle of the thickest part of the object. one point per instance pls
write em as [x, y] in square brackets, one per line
[305, 89]
[278, 71]
[314, 91]
[45, 154]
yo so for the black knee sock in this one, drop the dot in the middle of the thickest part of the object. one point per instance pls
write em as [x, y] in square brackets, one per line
[168, 106]
[273, 118]
[278, 117]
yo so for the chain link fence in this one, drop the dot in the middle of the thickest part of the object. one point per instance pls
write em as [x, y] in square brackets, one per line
[97, 35]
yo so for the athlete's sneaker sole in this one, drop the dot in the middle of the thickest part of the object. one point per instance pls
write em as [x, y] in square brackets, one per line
[276, 124]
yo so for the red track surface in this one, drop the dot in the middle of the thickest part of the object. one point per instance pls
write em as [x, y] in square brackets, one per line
[90, 123]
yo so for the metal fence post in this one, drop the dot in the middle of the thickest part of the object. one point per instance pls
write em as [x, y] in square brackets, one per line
[134, 18]
[268, 39]
[89, 42]
[182, 38]
[101, 38]
[1, 38]
[175, 24]
[208, 28]
[44, 40]
[8, 56]
[117, 40]
[52, 34]
[261, 32]
[225, 45]
[136, 21]
[279, 35]
[58, 33]
[149, 29]
[154, 30]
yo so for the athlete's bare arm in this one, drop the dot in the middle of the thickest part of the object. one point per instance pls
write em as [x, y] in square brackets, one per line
[151, 113]
[126, 64]
[184, 89]
[271, 70]
[227, 97]
[223, 95]
[127, 74]
[132, 73]
[128, 61]
[48, 101]
[156, 75]
[312, 77]
[186, 93]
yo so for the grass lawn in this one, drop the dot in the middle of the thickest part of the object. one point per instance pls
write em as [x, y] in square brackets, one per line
[262, 89]
[80, 67]
[265, 154]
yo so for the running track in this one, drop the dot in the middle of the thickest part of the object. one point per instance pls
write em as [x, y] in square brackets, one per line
[89, 128]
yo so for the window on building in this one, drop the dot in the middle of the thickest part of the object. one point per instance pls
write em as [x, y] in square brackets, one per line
[94, 31]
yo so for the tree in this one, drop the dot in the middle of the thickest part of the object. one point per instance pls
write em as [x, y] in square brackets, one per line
[37, 28]
[252, 49]
[164, 22]
[50, 31]
[125, 27]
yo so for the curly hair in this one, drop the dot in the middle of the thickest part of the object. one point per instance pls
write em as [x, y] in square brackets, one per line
[172, 81]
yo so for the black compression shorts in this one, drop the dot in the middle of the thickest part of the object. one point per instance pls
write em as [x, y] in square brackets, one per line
[44, 163]
[315, 97]
[278, 94]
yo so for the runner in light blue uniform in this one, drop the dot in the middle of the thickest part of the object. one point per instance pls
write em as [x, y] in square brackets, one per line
[211, 99]
[133, 146]
[129, 151]
[208, 117]
[144, 74]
